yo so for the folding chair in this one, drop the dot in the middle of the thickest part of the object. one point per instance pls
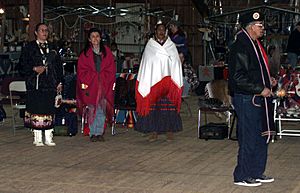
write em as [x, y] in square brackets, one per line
[217, 89]
[124, 100]
[15, 89]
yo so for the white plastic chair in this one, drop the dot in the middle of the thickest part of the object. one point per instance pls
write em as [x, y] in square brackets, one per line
[20, 87]
[279, 118]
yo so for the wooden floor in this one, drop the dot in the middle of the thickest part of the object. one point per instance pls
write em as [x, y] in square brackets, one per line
[127, 163]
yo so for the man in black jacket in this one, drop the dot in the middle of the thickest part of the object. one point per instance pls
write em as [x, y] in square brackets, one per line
[250, 84]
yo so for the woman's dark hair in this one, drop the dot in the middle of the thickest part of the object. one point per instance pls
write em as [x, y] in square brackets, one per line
[88, 44]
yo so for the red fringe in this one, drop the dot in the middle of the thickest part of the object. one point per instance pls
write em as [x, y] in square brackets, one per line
[166, 87]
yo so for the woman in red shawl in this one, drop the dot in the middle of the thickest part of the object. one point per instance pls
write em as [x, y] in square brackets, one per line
[96, 73]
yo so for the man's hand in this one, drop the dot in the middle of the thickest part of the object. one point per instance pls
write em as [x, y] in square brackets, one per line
[266, 92]
[39, 69]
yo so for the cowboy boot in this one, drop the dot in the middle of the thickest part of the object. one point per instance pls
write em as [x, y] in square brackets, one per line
[49, 137]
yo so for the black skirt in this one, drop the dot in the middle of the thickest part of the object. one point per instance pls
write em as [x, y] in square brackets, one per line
[40, 109]
[41, 101]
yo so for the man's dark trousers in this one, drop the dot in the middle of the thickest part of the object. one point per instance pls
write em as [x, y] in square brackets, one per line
[253, 149]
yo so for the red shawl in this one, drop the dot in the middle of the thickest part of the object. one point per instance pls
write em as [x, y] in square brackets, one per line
[93, 86]
[160, 75]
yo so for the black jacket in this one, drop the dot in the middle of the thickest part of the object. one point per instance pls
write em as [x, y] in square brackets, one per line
[245, 75]
[31, 57]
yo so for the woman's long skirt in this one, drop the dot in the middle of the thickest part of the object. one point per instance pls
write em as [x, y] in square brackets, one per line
[40, 109]
[163, 117]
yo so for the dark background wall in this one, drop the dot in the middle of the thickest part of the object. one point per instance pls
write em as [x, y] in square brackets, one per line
[190, 12]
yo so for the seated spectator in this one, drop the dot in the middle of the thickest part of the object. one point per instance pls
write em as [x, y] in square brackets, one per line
[190, 78]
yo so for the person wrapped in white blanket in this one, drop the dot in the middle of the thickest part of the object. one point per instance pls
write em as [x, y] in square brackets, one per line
[159, 87]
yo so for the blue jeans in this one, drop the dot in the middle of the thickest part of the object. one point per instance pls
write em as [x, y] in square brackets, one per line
[97, 127]
[253, 149]
[293, 59]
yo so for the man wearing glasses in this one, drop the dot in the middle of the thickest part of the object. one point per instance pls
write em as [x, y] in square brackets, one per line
[250, 85]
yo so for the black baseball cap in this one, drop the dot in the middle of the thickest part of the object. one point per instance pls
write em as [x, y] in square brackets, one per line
[250, 17]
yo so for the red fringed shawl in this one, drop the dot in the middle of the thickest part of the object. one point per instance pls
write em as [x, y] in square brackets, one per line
[160, 75]
[93, 86]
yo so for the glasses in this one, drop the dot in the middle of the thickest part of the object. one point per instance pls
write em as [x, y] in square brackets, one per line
[259, 25]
